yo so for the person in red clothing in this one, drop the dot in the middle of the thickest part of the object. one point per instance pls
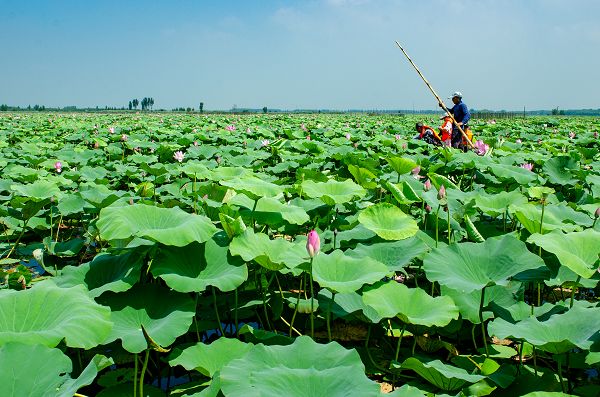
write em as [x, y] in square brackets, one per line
[446, 130]
[427, 134]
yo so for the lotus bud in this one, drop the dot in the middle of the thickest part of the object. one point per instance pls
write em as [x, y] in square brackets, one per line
[571, 135]
[415, 171]
[442, 192]
[308, 137]
[111, 130]
[428, 208]
[124, 138]
[347, 135]
[427, 185]
[597, 213]
[313, 243]
[596, 134]
[58, 167]
[518, 141]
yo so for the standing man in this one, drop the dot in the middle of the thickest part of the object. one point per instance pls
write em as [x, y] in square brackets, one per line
[461, 114]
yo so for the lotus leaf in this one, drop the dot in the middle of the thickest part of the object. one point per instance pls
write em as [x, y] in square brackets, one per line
[47, 314]
[578, 327]
[577, 250]
[411, 305]
[293, 371]
[168, 226]
[164, 314]
[388, 222]
[467, 267]
[342, 273]
[195, 267]
[394, 254]
[444, 376]
[332, 192]
[272, 254]
[209, 359]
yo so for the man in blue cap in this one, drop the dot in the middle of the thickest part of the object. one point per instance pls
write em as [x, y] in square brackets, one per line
[461, 114]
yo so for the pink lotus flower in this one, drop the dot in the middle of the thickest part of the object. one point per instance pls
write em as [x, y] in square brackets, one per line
[178, 155]
[355, 145]
[527, 166]
[481, 148]
[348, 136]
[313, 243]
[398, 137]
[195, 143]
[518, 141]
[111, 130]
[303, 126]
[427, 185]
[96, 145]
[442, 192]
[571, 135]
[265, 143]
[230, 127]
[415, 171]
[124, 138]
[248, 130]
[308, 137]
[58, 167]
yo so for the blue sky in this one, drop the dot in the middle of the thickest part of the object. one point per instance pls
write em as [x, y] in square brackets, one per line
[336, 54]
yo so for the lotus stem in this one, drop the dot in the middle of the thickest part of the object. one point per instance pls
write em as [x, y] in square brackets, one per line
[144, 366]
[312, 303]
[57, 228]
[573, 291]
[135, 374]
[195, 319]
[214, 294]
[436, 225]
[535, 361]
[329, 315]
[449, 228]
[487, 354]
[296, 307]
[235, 313]
[559, 371]
[399, 342]
[520, 357]
[264, 303]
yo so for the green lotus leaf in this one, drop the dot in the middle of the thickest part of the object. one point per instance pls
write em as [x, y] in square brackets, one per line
[106, 272]
[444, 376]
[208, 359]
[401, 165]
[578, 327]
[438, 180]
[497, 204]
[196, 170]
[272, 254]
[468, 267]
[468, 303]
[164, 314]
[402, 192]
[578, 250]
[38, 370]
[411, 305]
[71, 204]
[271, 211]
[507, 172]
[92, 173]
[195, 267]
[87, 376]
[548, 394]
[99, 196]
[253, 187]
[363, 176]
[293, 371]
[388, 222]
[168, 226]
[559, 170]
[47, 314]
[38, 190]
[394, 254]
[342, 273]
[556, 216]
[333, 192]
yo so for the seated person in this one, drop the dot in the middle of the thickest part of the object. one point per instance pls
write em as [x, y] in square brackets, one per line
[427, 134]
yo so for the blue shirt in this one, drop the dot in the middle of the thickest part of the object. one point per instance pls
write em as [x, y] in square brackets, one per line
[461, 113]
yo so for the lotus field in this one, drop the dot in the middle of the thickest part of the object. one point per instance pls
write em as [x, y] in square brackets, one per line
[297, 255]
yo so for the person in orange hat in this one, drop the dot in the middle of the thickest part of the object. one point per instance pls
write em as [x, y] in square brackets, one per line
[446, 130]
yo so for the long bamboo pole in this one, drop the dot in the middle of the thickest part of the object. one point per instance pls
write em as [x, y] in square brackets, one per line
[436, 96]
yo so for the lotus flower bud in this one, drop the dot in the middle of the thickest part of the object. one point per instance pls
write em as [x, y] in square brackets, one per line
[348, 136]
[415, 171]
[442, 192]
[427, 185]
[58, 167]
[428, 208]
[597, 213]
[313, 243]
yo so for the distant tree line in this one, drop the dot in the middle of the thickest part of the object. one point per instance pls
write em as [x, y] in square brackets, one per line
[147, 103]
